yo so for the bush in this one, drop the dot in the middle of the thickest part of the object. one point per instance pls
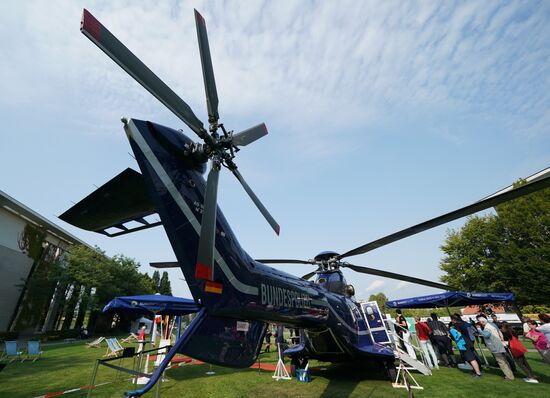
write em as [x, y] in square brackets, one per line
[535, 309]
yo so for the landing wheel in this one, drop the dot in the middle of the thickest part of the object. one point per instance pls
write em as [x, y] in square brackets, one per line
[294, 364]
[391, 369]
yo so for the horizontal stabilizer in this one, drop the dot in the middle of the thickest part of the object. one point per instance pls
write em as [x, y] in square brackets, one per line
[119, 201]
[167, 264]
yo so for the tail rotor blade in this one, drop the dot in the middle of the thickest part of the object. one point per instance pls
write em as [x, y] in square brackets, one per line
[207, 69]
[109, 44]
[250, 135]
[257, 202]
[205, 257]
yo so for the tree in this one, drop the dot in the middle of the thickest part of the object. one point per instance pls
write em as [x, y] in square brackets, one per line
[509, 251]
[380, 299]
[156, 281]
[164, 285]
[38, 288]
[102, 279]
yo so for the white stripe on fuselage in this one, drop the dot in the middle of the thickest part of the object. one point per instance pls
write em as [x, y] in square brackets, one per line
[133, 132]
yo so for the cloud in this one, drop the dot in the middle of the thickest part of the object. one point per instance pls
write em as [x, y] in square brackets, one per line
[401, 285]
[374, 285]
[319, 70]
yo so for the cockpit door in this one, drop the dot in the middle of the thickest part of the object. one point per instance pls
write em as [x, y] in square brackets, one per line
[375, 323]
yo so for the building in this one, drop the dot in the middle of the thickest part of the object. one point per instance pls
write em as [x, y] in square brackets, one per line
[31, 249]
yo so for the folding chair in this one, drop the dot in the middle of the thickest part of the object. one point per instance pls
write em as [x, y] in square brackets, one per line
[113, 347]
[11, 350]
[33, 349]
[117, 345]
[96, 343]
[130, 338]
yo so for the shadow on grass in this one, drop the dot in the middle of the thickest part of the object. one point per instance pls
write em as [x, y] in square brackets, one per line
[345, 377]
[190, 372]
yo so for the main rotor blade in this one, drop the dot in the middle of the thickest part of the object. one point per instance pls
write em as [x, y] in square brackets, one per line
[207, 69]
[392, 275]
[257, 202]
[307, 276]
[107, 42]
[169, 264]
[453, 215]
[205, 256]
[250, 135]
[283, 261]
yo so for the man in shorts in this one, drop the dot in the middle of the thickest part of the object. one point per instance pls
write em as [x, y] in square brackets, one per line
[465, 346]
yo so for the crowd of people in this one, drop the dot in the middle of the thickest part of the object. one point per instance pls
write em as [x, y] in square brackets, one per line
[498, 337]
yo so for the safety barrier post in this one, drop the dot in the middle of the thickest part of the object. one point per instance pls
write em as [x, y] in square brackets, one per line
[157, 390]
[92, 382]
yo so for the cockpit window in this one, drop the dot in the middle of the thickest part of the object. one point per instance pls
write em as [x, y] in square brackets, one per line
[334, 282]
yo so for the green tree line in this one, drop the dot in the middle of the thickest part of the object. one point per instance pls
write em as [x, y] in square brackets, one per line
[504, 252]
[69, 290]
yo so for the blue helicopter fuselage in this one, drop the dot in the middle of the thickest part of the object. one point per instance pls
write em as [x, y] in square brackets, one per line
[242, 289]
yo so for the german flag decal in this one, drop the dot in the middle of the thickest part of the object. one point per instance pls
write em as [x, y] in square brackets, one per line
[213, 287]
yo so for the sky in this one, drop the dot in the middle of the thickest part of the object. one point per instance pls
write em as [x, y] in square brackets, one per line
[380, 115]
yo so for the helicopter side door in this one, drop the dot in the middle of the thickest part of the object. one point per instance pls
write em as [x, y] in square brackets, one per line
[375, 323]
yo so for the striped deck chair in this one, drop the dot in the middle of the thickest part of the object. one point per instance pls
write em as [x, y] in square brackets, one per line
[96, 343]
[130, 338]
[33, 350]
[113, 347]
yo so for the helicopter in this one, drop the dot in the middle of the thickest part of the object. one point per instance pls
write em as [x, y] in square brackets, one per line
[238, 295]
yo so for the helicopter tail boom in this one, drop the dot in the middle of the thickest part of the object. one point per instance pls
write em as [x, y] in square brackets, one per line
[174, 177]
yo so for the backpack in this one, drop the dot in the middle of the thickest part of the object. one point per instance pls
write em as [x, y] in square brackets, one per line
[471, 332]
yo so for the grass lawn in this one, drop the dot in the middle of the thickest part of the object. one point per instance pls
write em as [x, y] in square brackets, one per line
[65, 367]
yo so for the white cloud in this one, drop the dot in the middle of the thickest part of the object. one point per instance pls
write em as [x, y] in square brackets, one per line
[374, 285]
[401, 285]
[318, 69]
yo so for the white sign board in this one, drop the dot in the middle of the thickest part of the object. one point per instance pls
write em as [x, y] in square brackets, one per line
[242, 326]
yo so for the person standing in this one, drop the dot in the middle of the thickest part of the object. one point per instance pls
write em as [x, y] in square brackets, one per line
[440, 337]
[141, 338]
[467, 332]
[423, 332]
[400, 323]
[518, 351]
[463, 346]
[540, 341]
[402, 330]
[525, 325]
[545, 327]
[268, 335]
[494, 344]
[495, 320]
